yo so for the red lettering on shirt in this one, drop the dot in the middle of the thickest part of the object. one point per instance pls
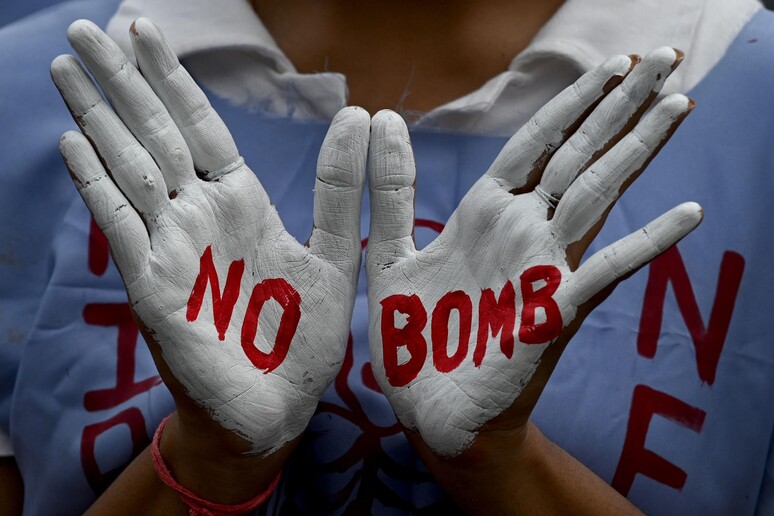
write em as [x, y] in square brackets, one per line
[132, 418]
[117, 314]
[708, 342]
[99, 250]
[635, 458]
[126, 388]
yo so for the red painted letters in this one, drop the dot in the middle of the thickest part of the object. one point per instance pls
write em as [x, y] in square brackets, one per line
[126, 388]
[117, 314]
[222, 307]
[529, 331]
[635, 458]
[99, 250]
[708, 344]
[410, 336]
[290, 301]
[457, 300]
[497, 315]
[669, 267]
[134, 420]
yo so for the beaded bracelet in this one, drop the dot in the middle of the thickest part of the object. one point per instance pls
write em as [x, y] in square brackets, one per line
[198, 506]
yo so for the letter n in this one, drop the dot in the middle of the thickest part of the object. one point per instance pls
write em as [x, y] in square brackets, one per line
[708, 342]
[222, 304]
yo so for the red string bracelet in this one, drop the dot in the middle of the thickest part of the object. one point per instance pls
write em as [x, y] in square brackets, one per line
[198, 506]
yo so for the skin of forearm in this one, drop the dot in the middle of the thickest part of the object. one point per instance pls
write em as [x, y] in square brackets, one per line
[138, 490]
[521, 472]
[198, 462]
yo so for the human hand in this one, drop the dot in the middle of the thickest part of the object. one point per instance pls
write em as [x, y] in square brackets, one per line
[465, 333]
[244, 322]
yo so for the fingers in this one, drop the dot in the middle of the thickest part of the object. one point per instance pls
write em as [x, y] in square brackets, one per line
[524, 156]
[615, 116]
[211, 145]
[391, 176]
[131, 166]
[339, 189]
[590, 197]
[119, 222]
[134, 101]
[632, 252]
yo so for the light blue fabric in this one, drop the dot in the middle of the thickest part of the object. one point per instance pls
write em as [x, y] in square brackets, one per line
[353, 455]
[722, 157]
[14, 10]
[35, 191]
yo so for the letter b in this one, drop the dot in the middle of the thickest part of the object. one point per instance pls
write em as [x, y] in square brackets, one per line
[410, 336]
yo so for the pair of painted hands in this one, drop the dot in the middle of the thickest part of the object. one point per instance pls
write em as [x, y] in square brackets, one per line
[251, 326]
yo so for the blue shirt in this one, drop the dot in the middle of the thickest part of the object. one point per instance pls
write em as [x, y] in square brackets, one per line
[667, 390]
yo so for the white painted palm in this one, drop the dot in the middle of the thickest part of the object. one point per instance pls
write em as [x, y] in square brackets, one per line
[252, 323]
[458, 329]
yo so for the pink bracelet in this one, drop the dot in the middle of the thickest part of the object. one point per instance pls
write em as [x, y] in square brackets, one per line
[198, 506]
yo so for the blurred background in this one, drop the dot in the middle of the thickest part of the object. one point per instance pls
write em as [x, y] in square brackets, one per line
[11, 10]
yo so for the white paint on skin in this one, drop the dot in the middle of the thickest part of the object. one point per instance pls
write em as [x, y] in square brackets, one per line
[495, 235]
[614, 113]
[211, 145]
[157, 241]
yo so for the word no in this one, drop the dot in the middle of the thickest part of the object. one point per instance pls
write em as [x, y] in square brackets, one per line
[223, 307]
[497, 314]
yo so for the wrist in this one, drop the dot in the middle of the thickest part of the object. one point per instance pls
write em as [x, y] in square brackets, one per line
[214, 463]
[521, 472]
[487, 478]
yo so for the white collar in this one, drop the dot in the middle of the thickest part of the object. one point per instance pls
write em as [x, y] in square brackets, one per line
[586, 32]
[197, 26]
[582, 34]
[228, 50]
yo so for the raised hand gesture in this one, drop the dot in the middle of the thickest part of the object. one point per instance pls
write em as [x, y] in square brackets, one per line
[247, 326]
[465, 333]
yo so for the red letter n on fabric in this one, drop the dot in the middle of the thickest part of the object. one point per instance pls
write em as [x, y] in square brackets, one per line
[669, 268]
[708, 344]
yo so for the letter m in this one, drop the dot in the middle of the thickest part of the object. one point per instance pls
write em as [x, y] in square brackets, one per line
[222, 303]
[708, 341]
